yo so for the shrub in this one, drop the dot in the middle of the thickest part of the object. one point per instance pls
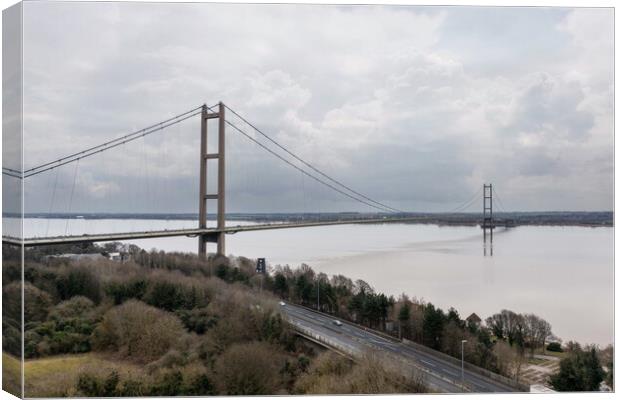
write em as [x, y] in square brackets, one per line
[231, 274]
[243, 316]
[189, 381]
[121, 291]
[76, 307]
[138, 331]
[78, 281]
[197, 320]
[131, 388]
[169, 384]
[333, 374]
[93, 386]
[12, 305]
[165, 295]
[31, 343]
[11, 271]
[170, 296]
[172, 358]
[67, 329]
[41, 276]
[580, 371]
[11, 337]
[63, 342]
[303, 362]
[36, 303]
[249, 369]
[199, 385]
[555, 346]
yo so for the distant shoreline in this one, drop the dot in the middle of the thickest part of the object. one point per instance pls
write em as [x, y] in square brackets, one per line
[560, 218]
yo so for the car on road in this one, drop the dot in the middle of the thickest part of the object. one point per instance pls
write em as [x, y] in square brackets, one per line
[282, 303]
[337, 323]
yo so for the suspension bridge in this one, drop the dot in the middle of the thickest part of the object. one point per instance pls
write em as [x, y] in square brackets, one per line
[214, 188]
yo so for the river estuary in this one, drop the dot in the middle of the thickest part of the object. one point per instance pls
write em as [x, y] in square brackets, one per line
[563, 274]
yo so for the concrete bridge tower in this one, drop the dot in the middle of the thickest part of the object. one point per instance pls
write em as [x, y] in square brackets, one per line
[218, 237]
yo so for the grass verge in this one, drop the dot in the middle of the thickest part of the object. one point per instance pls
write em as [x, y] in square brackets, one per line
[11, 374]
[56, 376]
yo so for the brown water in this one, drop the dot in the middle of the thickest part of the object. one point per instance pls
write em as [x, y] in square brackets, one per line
[563, 274]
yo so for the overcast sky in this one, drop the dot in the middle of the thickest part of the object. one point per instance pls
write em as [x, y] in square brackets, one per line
[416, 107]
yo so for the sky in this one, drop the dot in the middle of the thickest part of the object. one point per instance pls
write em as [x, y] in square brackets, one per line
[416, 107]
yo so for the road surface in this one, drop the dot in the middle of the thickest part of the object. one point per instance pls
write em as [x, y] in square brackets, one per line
[353, 340]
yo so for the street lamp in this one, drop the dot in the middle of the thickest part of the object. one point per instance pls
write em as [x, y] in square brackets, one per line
[463, 362]
[318, 293]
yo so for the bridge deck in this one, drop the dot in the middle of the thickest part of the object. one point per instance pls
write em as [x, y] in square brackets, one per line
[111, 237]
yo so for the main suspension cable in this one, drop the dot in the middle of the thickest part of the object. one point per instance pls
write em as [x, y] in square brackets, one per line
[302, 170]
[382, 205]
[110, 144]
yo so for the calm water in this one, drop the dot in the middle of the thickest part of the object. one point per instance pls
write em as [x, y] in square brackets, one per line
[563, 274]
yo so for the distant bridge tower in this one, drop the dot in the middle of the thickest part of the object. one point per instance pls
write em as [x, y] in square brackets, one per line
[219, 236]
[487, 214]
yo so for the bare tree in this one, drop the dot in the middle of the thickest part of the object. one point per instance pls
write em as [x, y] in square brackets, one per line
[536, 332]
[544, 332]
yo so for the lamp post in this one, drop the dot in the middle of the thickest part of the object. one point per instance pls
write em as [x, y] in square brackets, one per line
[463, 363]
[318, 293]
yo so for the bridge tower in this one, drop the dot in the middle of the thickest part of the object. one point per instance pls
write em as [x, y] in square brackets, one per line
[487, 205]
[487, 213]
[219, 236]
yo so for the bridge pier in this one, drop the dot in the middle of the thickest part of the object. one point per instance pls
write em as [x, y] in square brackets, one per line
[218, 237]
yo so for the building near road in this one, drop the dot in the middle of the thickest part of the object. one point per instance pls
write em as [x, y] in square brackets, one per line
[473, 320]
[117, 256]
[76, 257]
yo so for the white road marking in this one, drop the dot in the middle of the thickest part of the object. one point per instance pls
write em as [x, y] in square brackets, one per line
[428, 363]
[449, 372]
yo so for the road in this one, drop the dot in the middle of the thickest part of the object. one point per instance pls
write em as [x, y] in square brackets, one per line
[439, 373]
[209, 232]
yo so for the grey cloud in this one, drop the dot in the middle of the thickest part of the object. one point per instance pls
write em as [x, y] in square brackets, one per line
[402, 103]
[547, 105]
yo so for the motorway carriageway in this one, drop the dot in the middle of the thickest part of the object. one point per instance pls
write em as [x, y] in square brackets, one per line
[439, 373]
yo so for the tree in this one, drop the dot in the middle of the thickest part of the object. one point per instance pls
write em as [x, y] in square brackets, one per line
[508, 325]
[451, 338]
[343, 284]
[536, 331]
[607, 359]
[384, 305]
[303, 289]
[432, 329]
[36, 303]
[496, 324]
[594, 373]
[483, 355]
[280, 286]
[580, 371]
[355, 306]
[453, 315]
[404, 315]
[508, 359]
[78, 281]
[609, 378]
[544, 332]
[363, 287]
